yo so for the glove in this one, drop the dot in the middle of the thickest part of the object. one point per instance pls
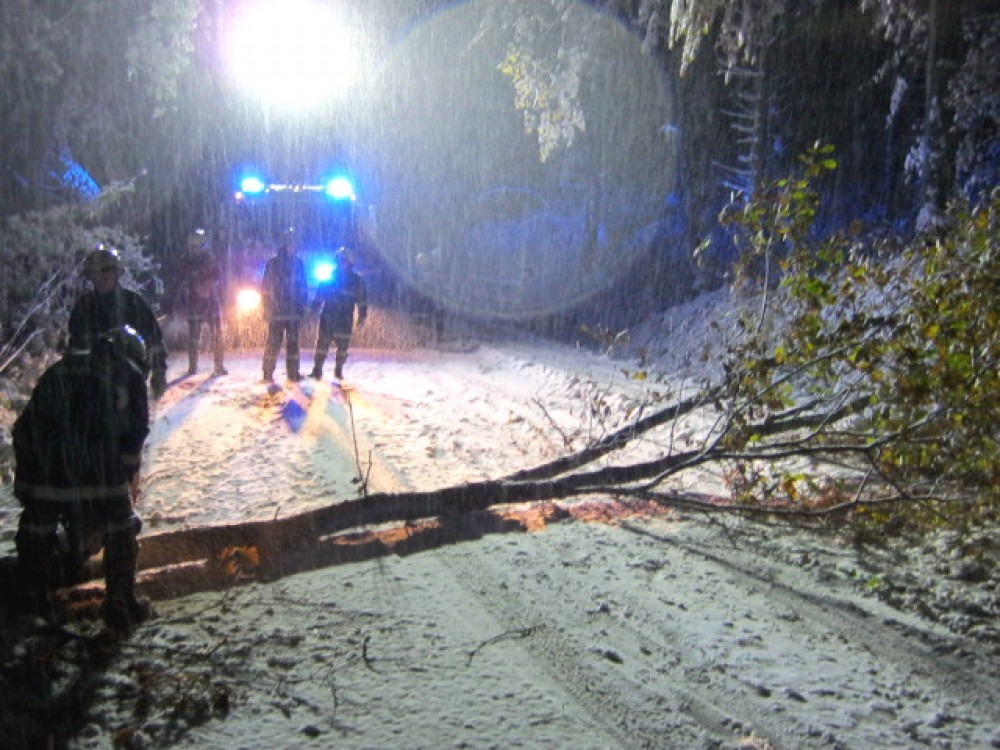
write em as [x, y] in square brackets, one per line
[158, 383]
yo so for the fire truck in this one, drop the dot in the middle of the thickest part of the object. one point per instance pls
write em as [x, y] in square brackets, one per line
[324, 217]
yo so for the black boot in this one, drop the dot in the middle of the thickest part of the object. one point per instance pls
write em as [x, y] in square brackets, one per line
[292, 367]
[37, 602]
[123, 610]
[193, 352]
[123, 613]
[267, 366]
[36, 576]
[317, 370]
[218, 353]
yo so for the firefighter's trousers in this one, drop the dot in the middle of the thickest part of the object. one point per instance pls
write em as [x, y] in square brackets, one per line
[45, 562]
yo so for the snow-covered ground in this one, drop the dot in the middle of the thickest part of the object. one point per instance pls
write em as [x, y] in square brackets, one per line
[590, 624]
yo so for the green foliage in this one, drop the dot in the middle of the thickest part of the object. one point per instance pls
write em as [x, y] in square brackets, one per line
[41, 253]
[936, 380]
[547, 85]
[778, 219]
[547, 97]
[908, 336]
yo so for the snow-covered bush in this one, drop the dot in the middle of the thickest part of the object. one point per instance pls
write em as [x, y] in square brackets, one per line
[903, 339]
[41, 254]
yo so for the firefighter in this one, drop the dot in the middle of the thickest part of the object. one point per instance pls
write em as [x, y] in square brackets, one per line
[77, 447]
[336, 300]
[202, 295]
[109, 305]
[284, 296]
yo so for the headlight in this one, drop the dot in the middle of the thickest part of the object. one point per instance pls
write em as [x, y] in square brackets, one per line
[247, 300]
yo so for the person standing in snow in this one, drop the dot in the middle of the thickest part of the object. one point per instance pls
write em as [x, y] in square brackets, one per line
[202, 297]
[109, 305]
[284, 296]
[337, 300]
[77, 448]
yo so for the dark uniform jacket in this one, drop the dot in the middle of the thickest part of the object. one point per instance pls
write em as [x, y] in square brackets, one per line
[283, 288]
[338, 298]
[204, 279]
[81, 435]
[94, 313]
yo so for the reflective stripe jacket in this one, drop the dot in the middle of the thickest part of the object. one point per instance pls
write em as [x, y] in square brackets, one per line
[338, 298]
[81, 435]
[283, 287]
[202, 286]
[94, 313]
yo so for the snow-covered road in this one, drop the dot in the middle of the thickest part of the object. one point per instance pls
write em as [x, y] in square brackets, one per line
[602, 626]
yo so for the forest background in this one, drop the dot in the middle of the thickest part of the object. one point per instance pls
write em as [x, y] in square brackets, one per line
[845, 153]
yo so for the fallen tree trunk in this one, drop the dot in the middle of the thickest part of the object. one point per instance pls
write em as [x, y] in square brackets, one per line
[277, 547]
[273, 538]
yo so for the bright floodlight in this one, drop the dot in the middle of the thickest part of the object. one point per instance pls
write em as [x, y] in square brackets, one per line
[291, 52]
[340, 188]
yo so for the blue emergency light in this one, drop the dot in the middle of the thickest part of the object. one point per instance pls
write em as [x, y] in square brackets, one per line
[323, 271]
[340, 188]
[252, 185]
